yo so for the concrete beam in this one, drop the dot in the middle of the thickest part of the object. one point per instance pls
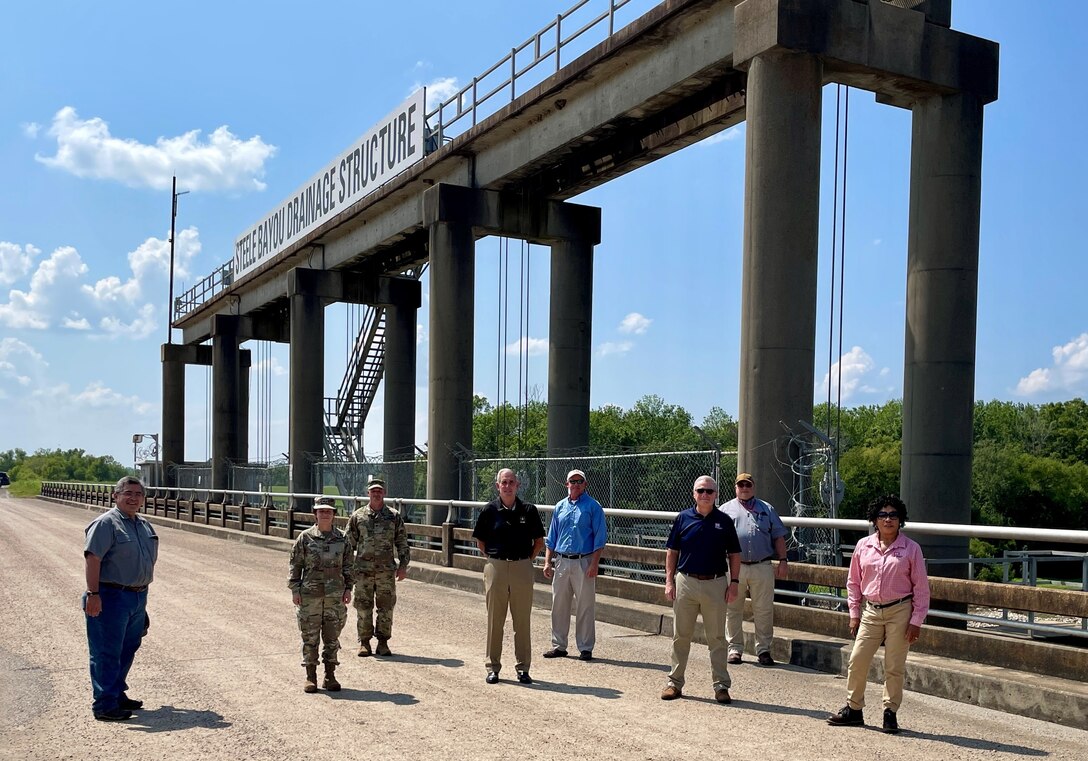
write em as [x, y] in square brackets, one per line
[511, 215]
[353, 288]
[874, 46]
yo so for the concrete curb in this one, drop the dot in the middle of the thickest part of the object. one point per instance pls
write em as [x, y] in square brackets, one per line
[1047, 698]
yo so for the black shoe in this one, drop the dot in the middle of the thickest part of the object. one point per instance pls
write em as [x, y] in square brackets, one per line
[734, 658]
[847, 717]
[129, 704]
[765, 659]
[116, 714]
[585, 655]
[555, 652]
[492, 677]
[524, 678]
[891, 724]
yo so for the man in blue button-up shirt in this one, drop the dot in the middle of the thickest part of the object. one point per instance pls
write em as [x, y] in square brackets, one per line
[572, 554]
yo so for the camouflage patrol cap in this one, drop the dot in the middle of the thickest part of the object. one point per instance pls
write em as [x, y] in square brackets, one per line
[327, 503]
[375, 482]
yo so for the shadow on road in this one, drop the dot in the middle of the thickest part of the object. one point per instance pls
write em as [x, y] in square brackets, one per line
[629, 664]
[169, 719]
[422, 660]
[607, 693]
[373, 696]
[974, 743]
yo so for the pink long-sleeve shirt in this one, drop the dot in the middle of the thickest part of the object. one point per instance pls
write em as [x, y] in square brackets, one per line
[883, 576]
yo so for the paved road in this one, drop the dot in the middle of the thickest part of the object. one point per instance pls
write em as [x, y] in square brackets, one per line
[220, 676]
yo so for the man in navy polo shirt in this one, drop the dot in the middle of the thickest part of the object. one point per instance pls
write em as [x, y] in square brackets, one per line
[572, 554]
[703, 547]
[119, 558]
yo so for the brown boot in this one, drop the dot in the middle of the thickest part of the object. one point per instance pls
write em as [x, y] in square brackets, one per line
[330, 682]
[364, 649]
[383, 647]
[311, 678]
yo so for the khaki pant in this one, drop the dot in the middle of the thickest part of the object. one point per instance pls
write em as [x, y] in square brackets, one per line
[889, 625]
[571, 583]
[692, 598]
[508, 585]
[756, 580]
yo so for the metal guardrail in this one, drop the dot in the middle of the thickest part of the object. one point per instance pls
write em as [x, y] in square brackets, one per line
[272, 513]
[482, 96]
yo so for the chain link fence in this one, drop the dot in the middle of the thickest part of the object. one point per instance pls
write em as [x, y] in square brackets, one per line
[405, 479]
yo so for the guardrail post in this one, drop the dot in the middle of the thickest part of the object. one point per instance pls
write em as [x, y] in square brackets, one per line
[290, 523]
[447, 544]
[264, 520]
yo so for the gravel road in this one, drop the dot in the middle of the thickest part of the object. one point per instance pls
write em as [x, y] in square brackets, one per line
[220, 675]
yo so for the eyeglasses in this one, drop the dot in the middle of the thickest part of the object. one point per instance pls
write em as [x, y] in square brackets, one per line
[705, 491]
[131, 493]
[887, 516]
[576, 481]
[744, 484]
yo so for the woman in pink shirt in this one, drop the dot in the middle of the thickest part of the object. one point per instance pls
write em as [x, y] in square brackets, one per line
[888, 594]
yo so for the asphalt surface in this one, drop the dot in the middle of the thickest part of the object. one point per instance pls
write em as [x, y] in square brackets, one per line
[220, 676]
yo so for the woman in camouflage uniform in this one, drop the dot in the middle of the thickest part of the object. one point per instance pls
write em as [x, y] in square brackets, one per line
[320, 583]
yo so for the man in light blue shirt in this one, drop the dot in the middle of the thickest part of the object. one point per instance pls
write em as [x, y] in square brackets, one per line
[576, 536]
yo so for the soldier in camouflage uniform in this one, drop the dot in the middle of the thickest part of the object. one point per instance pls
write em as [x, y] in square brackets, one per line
[320, 583]
[374, 531]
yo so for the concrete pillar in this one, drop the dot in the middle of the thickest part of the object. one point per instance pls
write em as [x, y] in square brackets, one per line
[452, 283]
[778, 295]
[570, 331]
[399, 435]
[307, 393]
[942, 299]
[173, 412]
[226, 379]
[245, 360]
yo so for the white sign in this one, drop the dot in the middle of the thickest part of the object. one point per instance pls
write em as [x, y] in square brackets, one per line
[392, 145]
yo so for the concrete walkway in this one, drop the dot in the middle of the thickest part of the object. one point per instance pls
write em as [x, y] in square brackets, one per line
[219, 671]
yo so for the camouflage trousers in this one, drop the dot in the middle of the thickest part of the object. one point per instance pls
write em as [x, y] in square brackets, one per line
[321, 619]
[375, 589]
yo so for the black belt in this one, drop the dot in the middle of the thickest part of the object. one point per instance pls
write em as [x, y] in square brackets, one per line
[882, 605]
[509, 560]
[122, 586]
[703, 576]
[571, 557]
[754, 562]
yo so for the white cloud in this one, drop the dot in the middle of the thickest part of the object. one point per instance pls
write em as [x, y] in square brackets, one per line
[534, 347]
[85, 148]
[855, 365]
[736, 132]
[272, 365]
[1068, 373]
[95, 396]
[31, 129]
[877, 241]
[438, 90]
[14, 356]
[15, 261]
[421, 334]
[119, 306]
[614, 347]
[635, 323]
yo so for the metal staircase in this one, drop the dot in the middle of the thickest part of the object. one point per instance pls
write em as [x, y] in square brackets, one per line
[346, 414]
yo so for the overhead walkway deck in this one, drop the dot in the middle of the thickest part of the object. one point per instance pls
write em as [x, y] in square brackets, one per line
[219, 671]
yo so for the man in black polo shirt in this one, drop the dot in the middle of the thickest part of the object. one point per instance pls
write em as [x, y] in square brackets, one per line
[703, 546]
[510, 534]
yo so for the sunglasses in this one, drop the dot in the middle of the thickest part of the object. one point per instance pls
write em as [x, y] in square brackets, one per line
[576, 481]
[705, 491]
[887, 516]
[744, 484]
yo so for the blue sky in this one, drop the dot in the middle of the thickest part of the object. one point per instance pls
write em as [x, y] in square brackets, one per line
[101, 104]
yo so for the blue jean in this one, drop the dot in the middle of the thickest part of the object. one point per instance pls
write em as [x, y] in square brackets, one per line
[113, 637]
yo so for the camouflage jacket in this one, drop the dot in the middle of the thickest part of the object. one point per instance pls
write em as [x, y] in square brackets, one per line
[321, 564]
[375, 535]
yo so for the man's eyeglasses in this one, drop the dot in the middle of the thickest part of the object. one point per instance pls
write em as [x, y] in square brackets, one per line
[744, 484]
[887, 516]
[705, 491]
[576, 481]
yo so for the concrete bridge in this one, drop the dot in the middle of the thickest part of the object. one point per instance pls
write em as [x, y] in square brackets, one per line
[680, 72]
[219, 671]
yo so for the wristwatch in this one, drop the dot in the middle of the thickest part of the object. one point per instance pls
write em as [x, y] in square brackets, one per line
[92, 593]
[734, 581]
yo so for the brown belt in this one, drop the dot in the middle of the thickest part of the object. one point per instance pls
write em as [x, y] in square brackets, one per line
[122, 586]
[703, 576]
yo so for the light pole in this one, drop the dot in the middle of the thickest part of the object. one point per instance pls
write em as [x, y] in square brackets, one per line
[173, 217]
[152, 451]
